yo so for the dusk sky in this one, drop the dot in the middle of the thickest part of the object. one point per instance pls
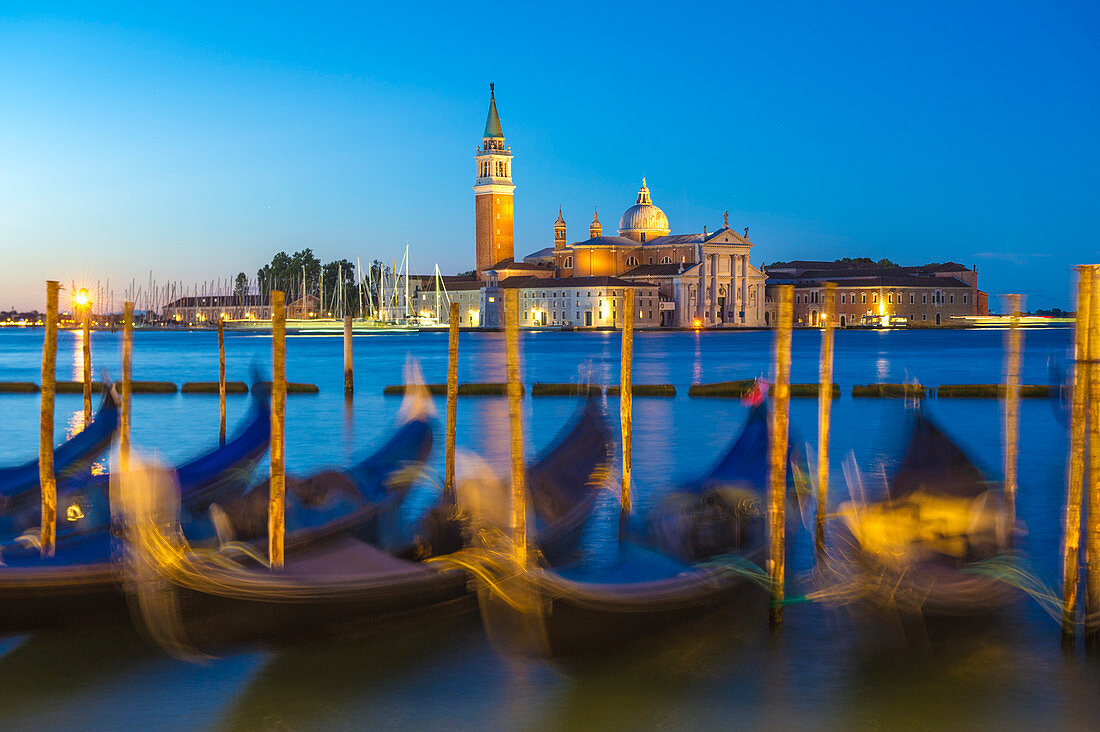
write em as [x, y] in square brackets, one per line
[198, 140]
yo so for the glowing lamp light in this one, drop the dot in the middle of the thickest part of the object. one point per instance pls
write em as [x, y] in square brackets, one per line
[81, 297]
[697, 324]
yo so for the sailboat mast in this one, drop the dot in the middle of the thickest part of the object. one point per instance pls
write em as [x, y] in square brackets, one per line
[359, 282]
[407, 300]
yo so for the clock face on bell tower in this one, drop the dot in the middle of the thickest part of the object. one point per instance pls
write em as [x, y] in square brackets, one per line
[493, 188]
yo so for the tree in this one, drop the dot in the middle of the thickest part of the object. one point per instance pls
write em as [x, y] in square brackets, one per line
[884, 262]
[337, 276]
[241, 287]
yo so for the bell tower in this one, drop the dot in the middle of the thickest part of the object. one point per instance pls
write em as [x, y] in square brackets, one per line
[559, 232]
[493, 194]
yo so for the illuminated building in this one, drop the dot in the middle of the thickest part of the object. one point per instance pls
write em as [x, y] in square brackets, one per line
[703, 277]
[872, 295]
[572, 302]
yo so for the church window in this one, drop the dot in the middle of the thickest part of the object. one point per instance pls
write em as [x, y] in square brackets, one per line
[569, 263]
[631, 261]
[666, 260]
[651, 260]
[643, 237]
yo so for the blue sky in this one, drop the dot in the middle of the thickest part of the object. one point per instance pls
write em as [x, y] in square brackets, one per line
[195, 141]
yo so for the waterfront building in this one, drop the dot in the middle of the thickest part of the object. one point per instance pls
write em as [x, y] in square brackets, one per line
[869, 294]
[208, 308]
[701, 279]
[572, 302]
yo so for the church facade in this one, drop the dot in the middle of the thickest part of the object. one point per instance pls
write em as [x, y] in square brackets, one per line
[704, 279]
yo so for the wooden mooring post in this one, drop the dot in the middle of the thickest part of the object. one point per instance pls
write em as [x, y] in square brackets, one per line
[452, 406]
[824, 415]
[276, 507]
[1014, 342]
[349, 378]
[626, 406]
[46, 478]
[86, 356]
[127, 387]
[221, 380]
[778, 426]
[515, 425]
[1071, 544]
[1092, 523]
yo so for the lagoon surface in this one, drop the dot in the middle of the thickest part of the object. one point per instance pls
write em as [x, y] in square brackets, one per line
[828, 668]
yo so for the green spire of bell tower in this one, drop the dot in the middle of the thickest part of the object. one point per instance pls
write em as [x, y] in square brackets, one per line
[492, 122]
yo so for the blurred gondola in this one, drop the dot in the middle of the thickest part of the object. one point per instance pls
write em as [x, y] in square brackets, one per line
[930, 546]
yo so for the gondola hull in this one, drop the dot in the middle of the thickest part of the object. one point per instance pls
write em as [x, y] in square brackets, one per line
[32, 599]
[546, 615]
[345, 587]
[930, 589]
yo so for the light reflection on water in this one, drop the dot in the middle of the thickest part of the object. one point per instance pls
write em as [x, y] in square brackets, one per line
[829, 668]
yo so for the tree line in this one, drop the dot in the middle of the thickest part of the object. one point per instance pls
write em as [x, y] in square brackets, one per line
[337, 282]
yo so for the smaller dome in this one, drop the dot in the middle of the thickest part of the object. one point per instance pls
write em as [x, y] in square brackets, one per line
[643, 218]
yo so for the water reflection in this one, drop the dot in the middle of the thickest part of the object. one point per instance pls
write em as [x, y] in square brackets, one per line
[882, 367]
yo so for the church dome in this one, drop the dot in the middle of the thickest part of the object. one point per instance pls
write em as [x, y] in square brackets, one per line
[643, 221]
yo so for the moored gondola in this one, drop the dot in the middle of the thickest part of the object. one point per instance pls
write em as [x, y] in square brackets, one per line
[562, 486]
[934, 543]
[83, 578]
[335, 581]
[605, 601]
[19, 484]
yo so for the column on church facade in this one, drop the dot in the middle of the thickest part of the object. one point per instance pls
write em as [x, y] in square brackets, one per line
[701, 294]
[731, 300]
[714, 290]
[744, 288]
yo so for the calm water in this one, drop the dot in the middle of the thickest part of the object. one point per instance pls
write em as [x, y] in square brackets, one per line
[829, 668]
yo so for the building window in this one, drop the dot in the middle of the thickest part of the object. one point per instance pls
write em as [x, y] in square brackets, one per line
[874, 297]
[666, 260]
[864, 296]
[924, 298]
[964, 298]
[568, 263]
[631, 261]
[890, 298]
[952, 298]
[643, 237]
[842, 298]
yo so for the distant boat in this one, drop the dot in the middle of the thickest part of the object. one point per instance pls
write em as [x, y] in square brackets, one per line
[321, 326]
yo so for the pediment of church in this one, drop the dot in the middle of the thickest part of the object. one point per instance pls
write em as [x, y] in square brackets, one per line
[727, 236]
